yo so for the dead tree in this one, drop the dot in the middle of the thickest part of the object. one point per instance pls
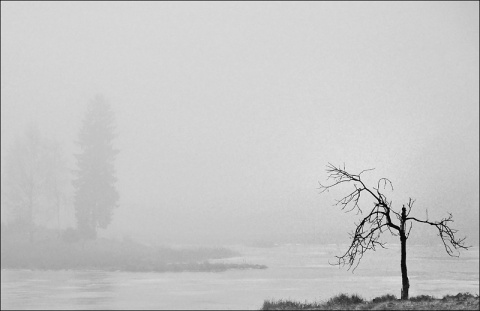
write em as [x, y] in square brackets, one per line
[380, 218]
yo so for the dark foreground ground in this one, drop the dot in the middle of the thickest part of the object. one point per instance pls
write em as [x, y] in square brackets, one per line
[461, 301]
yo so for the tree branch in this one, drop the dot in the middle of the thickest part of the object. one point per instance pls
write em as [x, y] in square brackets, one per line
[447, 234]
[367, 233]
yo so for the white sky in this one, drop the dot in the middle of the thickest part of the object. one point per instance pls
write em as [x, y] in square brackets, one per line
[227, 113]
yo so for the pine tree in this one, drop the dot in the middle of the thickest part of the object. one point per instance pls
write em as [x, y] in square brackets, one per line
[95, 193]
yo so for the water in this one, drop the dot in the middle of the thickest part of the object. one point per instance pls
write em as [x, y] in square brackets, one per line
[299, 272]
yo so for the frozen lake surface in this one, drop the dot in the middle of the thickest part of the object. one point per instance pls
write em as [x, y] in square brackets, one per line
[298, 272]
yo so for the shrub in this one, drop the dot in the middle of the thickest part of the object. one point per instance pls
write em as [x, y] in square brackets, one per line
[384, 298]
[422, 298]
[459, 296]
[70, 235]
[289, 305]
[344, 299]
[285, 304]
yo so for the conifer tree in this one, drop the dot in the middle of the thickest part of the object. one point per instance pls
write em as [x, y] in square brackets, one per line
[95, 193]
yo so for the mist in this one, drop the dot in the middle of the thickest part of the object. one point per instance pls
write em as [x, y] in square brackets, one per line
[171, 155]
[226, 114]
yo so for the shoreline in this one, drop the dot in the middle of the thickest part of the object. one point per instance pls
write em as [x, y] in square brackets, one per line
[170, 267]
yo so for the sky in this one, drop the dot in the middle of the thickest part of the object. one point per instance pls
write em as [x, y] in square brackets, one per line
[227, 113]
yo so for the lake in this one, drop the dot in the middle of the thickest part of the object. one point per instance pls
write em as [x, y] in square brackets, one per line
[298, 272]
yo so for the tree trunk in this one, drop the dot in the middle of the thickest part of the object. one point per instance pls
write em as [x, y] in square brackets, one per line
[403, 265]
[403, 262]
[30, 219]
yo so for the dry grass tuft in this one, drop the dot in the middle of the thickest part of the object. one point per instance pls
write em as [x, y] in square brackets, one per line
[461, 301]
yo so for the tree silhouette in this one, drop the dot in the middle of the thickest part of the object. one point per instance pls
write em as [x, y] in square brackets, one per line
[23, 178]
[378, 219]
[57, 179]
[95, 194]
[32, 169]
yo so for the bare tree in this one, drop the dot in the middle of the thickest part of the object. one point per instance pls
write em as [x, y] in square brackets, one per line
[378, 219]
[57, 178]
[34, 181]
[22, 179]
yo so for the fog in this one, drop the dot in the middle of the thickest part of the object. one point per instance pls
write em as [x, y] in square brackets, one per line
[227, 113]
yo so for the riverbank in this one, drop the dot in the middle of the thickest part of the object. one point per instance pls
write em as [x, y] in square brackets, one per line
[461, 301]
[51, 251]
[295, 272]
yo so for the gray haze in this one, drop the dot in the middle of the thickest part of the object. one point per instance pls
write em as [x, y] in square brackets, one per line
[227, 113]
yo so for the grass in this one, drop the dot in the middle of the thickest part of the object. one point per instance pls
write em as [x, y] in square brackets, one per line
[461, 301]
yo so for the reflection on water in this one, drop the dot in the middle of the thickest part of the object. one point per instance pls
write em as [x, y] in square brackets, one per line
[297, 272]
[94, 288]
[24, 289]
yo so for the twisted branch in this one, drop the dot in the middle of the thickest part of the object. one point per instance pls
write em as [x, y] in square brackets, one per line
[367, 233]
[447, 234]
